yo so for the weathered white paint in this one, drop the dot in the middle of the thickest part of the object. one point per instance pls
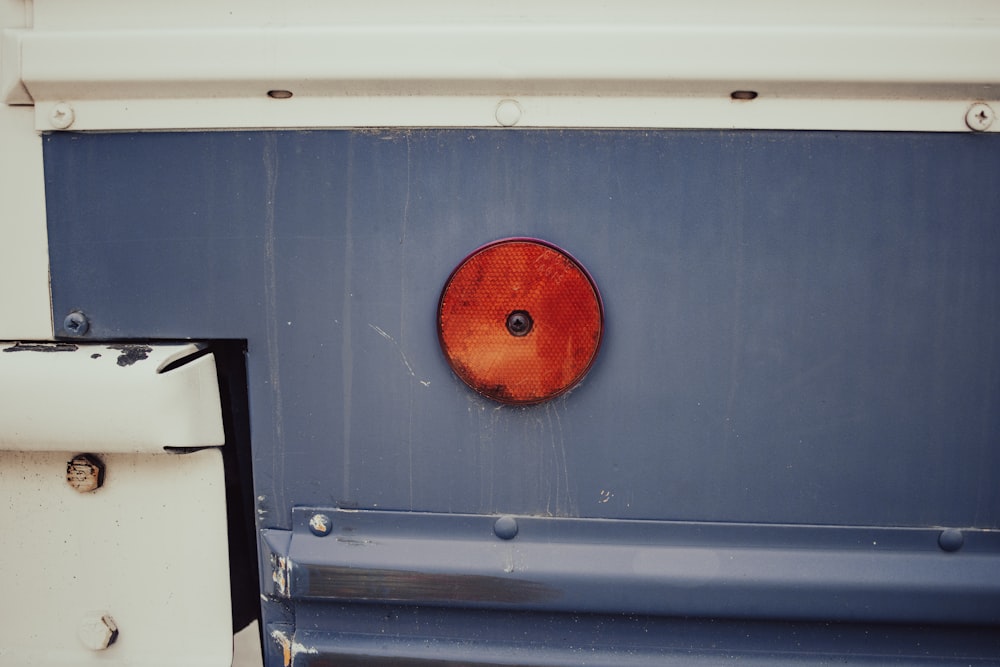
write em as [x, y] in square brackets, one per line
[855, 66]
[148, 548]
[105, 398]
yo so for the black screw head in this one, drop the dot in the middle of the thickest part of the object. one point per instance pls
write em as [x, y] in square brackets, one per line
[519, 323]
[76, 324]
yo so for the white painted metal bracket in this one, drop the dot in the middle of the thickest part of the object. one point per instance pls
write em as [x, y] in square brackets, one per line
[108, 397]
[723, 64]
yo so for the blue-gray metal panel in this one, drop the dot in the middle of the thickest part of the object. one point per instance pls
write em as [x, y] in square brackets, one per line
[414, 637]
[642, 567]
[801, 327]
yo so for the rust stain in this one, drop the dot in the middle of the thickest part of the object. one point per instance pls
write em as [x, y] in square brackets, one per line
[85, 473]
[286, 646]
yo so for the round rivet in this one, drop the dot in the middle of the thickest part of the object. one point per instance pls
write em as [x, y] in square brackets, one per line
[319, 524]
[62, 116]
[508, 113]
[76, 324]
[979, 117]
[505, 527]
[951, 539]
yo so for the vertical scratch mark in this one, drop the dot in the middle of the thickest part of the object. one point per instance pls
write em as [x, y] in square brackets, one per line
[346, 352]
[402, 317]
[555, 458]
[738, 266]
[270, 312]
[381, 332]
[570, 505]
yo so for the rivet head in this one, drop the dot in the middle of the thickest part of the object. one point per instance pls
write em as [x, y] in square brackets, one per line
[76, 323]
[505, 528]
[97, 631]
[62, 116]
[85, 473]
[508, 113]
[951, 539]
[979, 117]
[320, 525]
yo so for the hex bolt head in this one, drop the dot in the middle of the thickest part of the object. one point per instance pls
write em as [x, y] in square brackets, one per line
[320, 525]
[97, 631]
[85, 473]
[979, 117]
[76, 323]
[62, 116]
[505, 528]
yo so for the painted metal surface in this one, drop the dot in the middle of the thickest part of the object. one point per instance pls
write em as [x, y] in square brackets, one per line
[589, 566]
[147, 550]
[859, 66]
[798, 328]
[801, 330]
[64, 396]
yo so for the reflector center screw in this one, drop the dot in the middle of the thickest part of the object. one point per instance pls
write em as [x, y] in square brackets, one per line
[519, 323]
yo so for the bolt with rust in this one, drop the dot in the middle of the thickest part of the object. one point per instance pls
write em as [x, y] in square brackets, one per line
[85, 473]
[320, 525]
[97, 630]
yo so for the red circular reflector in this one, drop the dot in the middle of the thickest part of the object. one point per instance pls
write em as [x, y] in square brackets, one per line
[520, 321]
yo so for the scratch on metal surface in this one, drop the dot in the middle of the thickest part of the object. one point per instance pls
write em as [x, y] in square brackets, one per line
[381, 332]
[270, 158]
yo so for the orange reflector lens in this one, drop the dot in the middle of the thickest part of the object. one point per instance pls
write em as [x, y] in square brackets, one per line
[520, 321]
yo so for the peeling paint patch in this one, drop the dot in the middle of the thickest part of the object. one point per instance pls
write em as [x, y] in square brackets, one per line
[290, 648]
[300, 648]
[131, 353]
[42, 347]
[281, 572]
[285, 644]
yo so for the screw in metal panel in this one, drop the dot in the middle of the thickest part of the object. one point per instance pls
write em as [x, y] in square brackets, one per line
[85, 473]
[76, 323]
[979, 117]
[62, 116]
[519, 323]
[319, 524]
[505, 528]
[97, 631]
[951, 539]
[508, 113]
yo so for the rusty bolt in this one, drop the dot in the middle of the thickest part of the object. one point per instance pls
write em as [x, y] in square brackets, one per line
[979, 117]
[319, 524]
[97, 630]
[85, 473]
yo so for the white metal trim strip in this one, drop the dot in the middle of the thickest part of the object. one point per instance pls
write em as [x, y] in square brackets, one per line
[574, 73]
[107, 398]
